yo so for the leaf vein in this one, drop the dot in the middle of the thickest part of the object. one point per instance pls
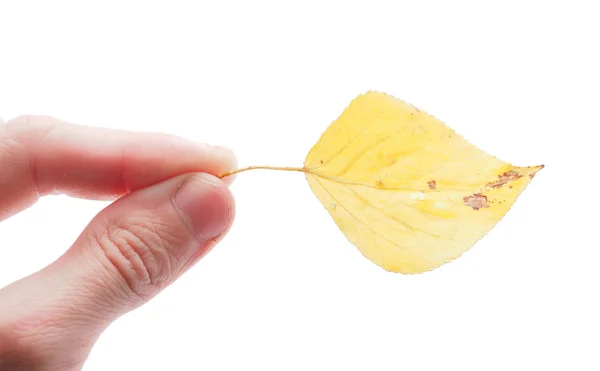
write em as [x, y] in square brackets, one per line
[392, 217]
[355, 217]
[361, 155]
[351, 140]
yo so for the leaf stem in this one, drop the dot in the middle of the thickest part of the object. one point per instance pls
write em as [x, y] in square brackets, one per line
[278, 168]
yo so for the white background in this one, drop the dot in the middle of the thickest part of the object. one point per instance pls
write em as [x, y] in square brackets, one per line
[285, 290]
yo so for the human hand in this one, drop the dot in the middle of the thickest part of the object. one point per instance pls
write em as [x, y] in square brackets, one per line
[171, 210]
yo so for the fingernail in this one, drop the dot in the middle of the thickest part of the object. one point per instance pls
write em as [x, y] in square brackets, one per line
[230, 162]
[226, 152]
[224, 149]
[229, 155]
[204, 206]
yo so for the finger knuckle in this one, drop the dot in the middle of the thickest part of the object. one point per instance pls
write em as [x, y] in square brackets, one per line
[10, 132]
[138, 253]
[29, 128]
[21, 124]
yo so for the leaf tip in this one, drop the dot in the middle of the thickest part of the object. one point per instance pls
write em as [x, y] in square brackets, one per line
[535, 169]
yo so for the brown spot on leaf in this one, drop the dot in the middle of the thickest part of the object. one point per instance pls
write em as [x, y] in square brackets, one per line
[476, 201]
[378, 182]
[535, 172]
[431, 184]
[506, 177]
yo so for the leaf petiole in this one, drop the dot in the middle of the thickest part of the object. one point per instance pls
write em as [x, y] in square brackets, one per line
[278, 168]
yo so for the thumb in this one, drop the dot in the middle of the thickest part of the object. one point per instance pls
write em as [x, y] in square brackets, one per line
[128, 253]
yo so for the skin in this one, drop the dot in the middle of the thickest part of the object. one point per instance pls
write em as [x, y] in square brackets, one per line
[170, 209]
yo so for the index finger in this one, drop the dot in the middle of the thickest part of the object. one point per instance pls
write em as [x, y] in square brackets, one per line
[40, 155]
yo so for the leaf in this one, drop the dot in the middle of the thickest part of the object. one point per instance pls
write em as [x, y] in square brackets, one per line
[405, 189]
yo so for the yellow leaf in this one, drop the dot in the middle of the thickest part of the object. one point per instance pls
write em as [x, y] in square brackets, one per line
[404, 188]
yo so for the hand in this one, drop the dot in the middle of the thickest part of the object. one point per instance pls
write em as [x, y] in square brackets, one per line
[171, 210]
